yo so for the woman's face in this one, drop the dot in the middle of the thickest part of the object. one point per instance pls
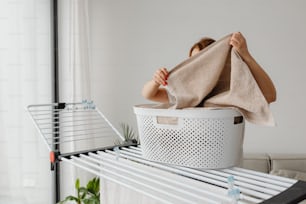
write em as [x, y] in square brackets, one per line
[195, 51]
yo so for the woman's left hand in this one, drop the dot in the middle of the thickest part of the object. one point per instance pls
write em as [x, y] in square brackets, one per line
[239, 44]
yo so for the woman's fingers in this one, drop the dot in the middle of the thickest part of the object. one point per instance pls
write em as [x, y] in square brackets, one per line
[234, 42]
[164, 71]
[159, 80]
[239, 44]
[160, 76]
[237, 40]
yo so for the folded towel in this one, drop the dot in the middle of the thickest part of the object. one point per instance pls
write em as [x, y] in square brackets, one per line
[218, 77]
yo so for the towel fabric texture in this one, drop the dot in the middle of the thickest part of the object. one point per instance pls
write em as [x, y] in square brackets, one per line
[218, 77]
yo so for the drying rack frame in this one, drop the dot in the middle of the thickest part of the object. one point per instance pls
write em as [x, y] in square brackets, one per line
[70, 121]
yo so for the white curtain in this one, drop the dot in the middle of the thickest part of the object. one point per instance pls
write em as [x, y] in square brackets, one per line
[74, 50]
[74, 74]
[24, 79]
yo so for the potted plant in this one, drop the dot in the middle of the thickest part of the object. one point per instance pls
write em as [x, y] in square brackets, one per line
[85, 195]
[128, 132]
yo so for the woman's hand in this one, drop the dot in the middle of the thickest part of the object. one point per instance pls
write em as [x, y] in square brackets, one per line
[240, 45]
[152, 89]
[160, 76]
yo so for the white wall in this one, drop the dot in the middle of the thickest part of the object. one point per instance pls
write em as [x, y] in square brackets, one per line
[132, 38]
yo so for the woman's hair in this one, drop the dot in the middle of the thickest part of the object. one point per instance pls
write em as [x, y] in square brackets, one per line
[204, 42]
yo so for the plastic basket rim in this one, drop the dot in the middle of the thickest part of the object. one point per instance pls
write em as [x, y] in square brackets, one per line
[197, 112]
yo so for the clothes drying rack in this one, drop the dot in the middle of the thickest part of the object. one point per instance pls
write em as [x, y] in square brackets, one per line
[71, 124]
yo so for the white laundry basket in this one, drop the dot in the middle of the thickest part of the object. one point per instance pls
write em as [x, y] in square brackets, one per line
[203, 138]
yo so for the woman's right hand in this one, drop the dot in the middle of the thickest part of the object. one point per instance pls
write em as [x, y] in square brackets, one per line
[160, 76]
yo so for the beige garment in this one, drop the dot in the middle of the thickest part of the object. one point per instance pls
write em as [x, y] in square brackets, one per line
[218, 77]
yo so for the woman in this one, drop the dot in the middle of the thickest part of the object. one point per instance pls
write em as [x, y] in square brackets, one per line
[154, 91]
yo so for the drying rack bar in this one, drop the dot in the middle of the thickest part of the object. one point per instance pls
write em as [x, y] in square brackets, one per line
[95, 150]
[127, 161]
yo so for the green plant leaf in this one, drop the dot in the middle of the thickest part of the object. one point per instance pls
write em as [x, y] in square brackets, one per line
[77, 184]
[70, 198]
[90, 186]
[92, 201]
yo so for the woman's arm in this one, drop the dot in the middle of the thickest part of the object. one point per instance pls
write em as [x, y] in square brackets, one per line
[263, 80]
[152, 90]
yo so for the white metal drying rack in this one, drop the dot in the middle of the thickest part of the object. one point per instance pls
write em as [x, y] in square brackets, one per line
[66, 126]
[75, 122]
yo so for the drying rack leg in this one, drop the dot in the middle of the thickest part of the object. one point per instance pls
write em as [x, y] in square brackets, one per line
[55, 179]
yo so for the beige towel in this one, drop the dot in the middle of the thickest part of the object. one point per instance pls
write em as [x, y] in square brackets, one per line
[218, 77]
